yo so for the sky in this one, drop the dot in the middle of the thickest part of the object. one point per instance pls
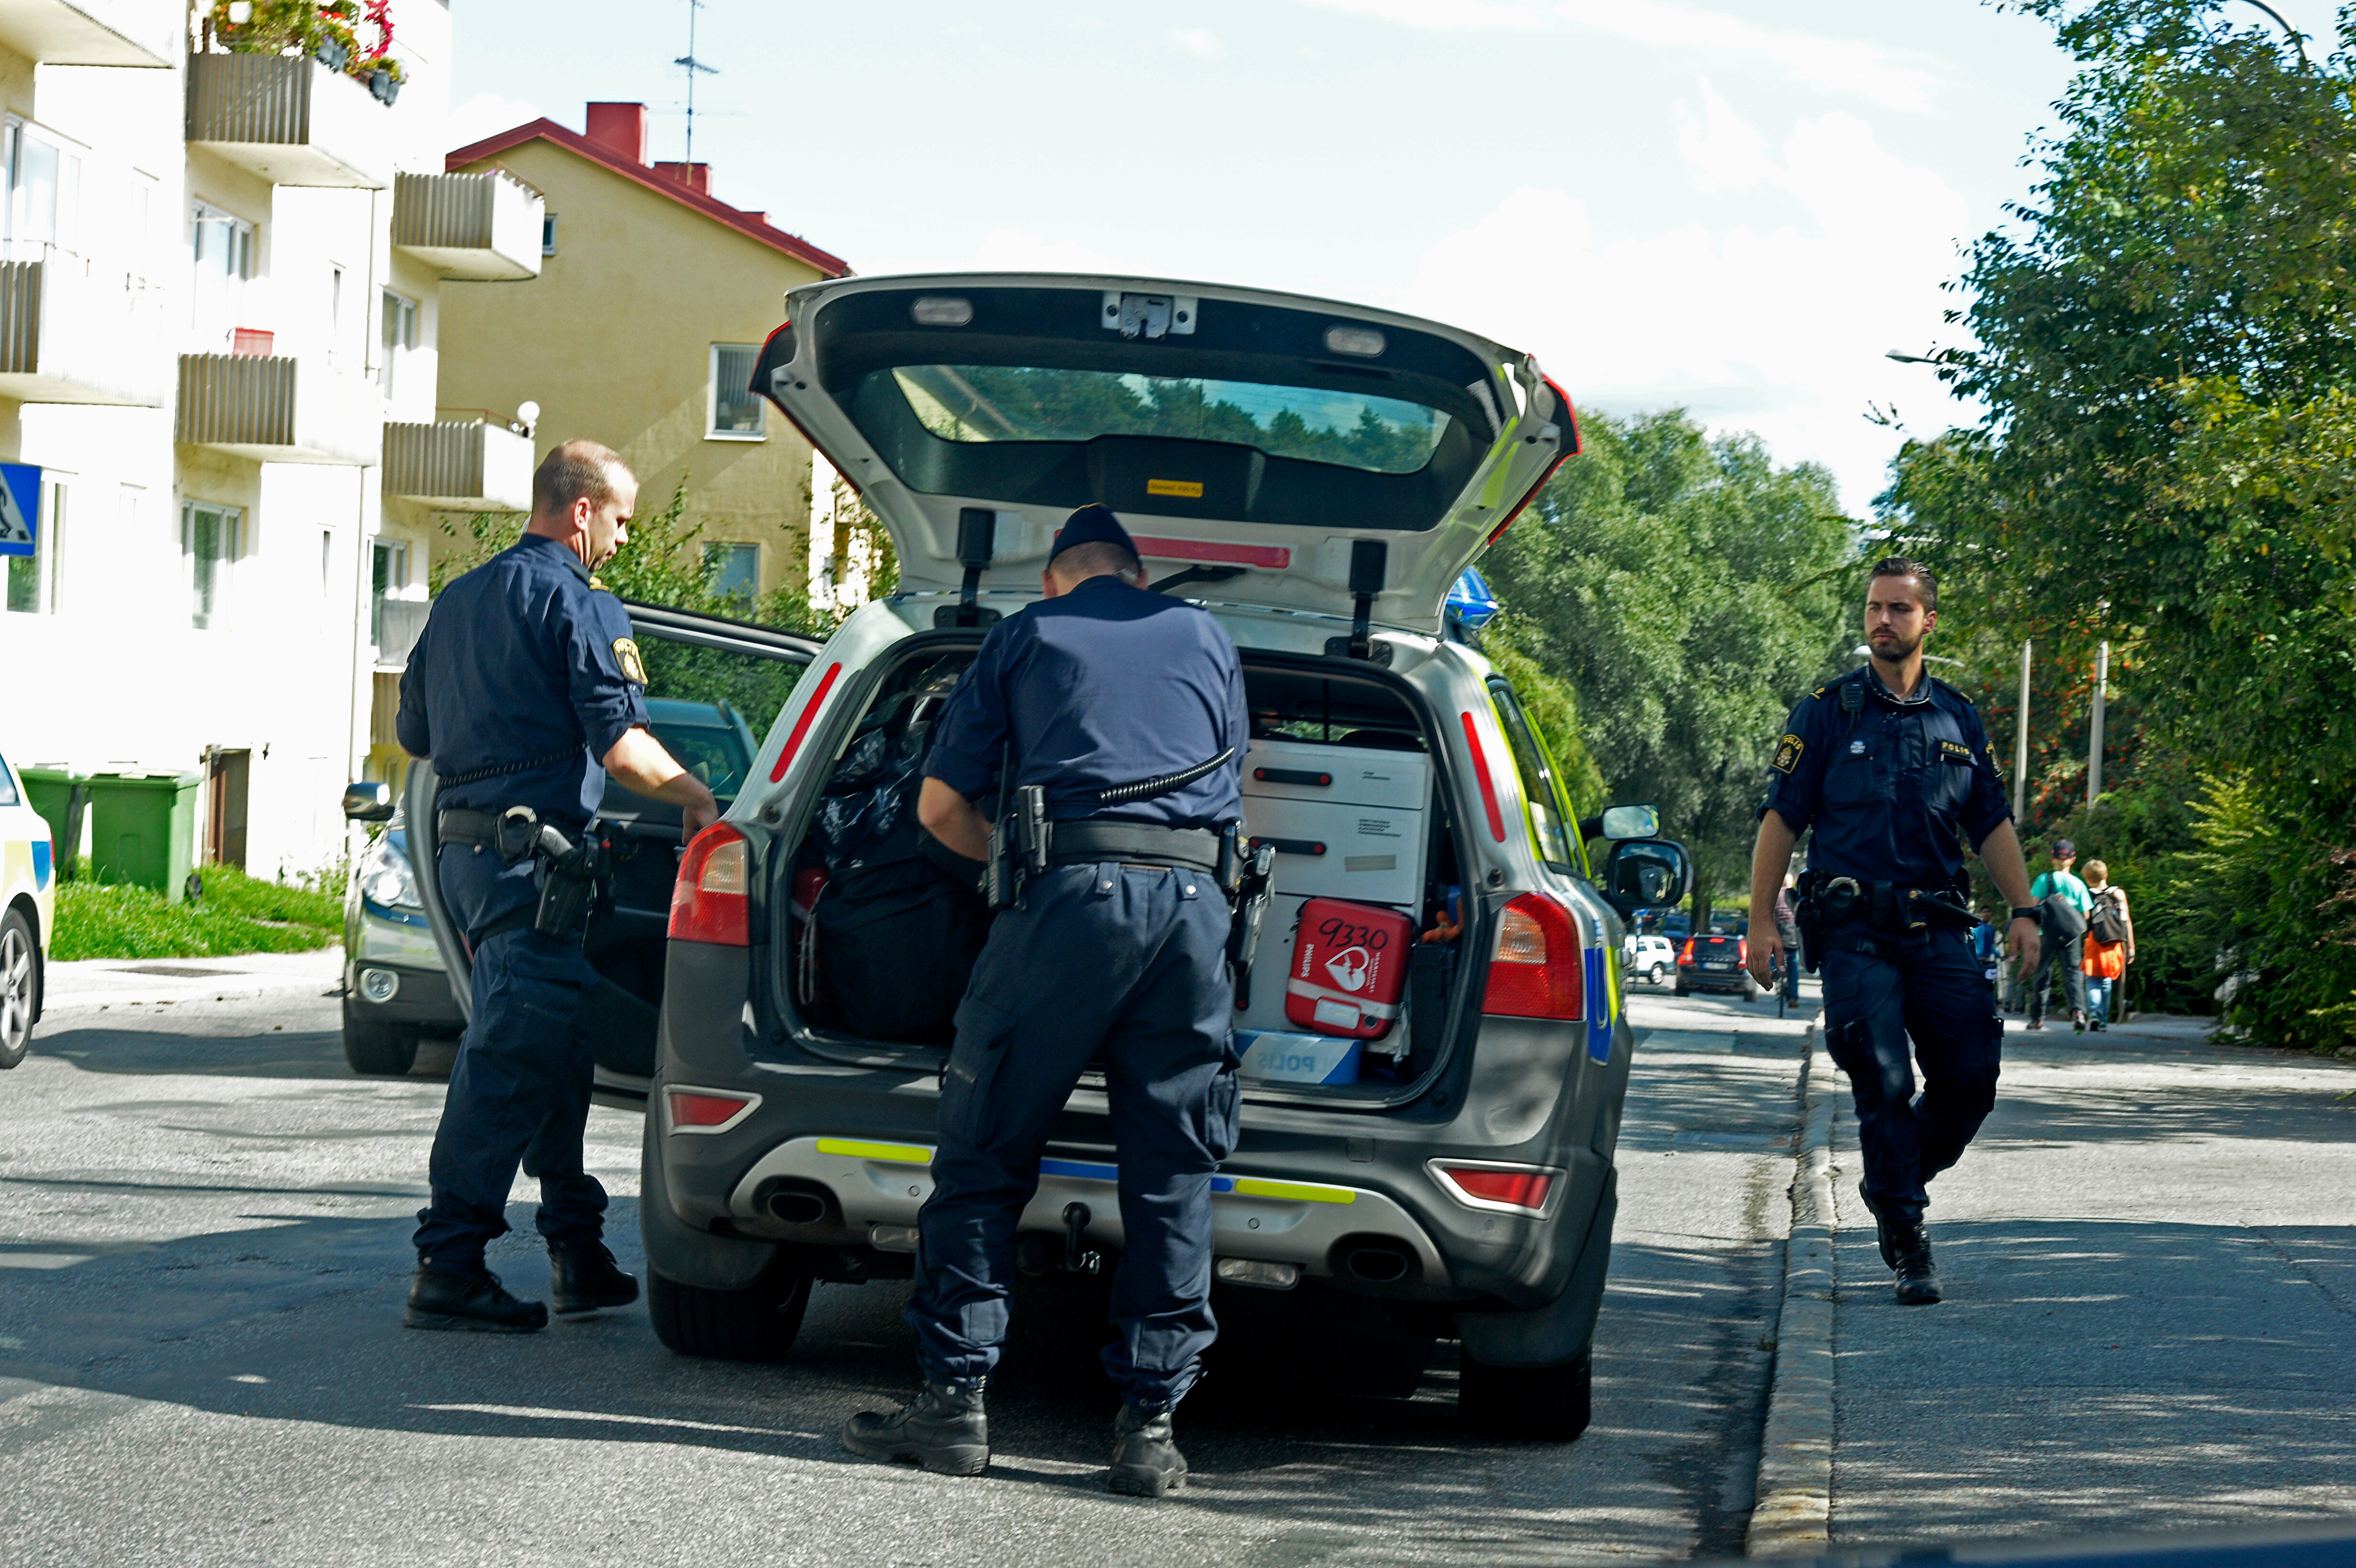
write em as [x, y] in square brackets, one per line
[1728, 207]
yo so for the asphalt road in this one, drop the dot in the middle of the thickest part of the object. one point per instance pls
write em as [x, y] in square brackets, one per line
[203, 1247]
[2150, 1313]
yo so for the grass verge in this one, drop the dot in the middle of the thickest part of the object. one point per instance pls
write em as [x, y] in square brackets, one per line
[237, 914]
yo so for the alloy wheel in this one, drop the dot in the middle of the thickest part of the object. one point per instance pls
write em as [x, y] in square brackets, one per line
[15, 990]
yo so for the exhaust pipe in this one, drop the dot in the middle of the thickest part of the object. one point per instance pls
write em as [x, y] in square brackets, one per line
[1378, 1264]
[797, 1203]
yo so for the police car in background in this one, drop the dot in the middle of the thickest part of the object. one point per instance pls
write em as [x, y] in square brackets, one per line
[28, 913]
[1318, 475]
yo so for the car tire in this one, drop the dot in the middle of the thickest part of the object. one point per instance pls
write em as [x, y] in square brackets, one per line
[756, 1324]
[20, 986]
[1548, 1405]
[1657, 973]
[379, 1050]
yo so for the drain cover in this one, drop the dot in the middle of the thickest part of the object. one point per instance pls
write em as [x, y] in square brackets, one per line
[178, 971]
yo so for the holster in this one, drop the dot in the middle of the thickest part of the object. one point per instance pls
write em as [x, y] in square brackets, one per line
[1020, 844]
[1253, 884]
[573, 874]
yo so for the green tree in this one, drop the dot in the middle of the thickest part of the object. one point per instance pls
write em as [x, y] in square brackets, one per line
[1685, 591]
[2167, 331]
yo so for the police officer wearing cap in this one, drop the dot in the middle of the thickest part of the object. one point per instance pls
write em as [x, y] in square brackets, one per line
[525, 689]
[1126, 709]
[1887, 765]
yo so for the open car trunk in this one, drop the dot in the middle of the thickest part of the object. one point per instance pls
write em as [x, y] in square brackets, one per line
[713, 689]
[1304, 454]
[881, 928]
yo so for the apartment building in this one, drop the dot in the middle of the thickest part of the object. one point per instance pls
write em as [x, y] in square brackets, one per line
[653, 298]
[221, 284]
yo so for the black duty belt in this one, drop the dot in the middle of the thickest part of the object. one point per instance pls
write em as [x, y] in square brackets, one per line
[458, 826]
[1143, 843]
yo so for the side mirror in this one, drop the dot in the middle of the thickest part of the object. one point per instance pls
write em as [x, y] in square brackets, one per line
[368, 801]
[1623, 822]
[1646, 873]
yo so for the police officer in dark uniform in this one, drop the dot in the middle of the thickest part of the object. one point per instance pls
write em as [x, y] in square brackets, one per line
[525, 689]
[1886, 764]
[1127, 708]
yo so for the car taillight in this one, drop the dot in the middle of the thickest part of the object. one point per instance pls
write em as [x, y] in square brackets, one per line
[1742, 951]
[703, 1111]
[1522, 1190]
[712, 900]
[1685, 953]
[1538, 972]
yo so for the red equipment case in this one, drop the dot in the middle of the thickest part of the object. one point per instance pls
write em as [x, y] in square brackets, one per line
[1350, 962]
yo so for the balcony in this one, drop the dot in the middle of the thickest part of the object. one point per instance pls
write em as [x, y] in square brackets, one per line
[71, 336]
[288, 119]
[144, 33]
[484, 228]
[458, 468]
[277, 410]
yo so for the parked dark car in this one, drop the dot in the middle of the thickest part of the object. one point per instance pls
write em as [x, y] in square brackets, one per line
[1716, 961]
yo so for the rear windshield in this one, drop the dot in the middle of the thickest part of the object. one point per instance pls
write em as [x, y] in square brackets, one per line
[996, 403]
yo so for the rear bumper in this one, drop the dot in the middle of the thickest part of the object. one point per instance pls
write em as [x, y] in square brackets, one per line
[1712, 980]
[1308, 1186]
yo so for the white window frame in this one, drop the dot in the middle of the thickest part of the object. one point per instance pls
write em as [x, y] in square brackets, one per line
[716, 549]
[214, 617]
[46, 562]
[547, 234]
[64, 225]
[394, 553]
[392, 306]
[243, 241]
[711, 431]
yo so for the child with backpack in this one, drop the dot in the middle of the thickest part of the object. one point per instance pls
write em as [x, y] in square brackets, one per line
[2110, 942]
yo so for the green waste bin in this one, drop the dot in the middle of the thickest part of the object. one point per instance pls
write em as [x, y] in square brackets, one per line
[62, 797]
[142, 829]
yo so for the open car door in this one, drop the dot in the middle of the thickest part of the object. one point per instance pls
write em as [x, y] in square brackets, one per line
[1300, 453]
[713, 688]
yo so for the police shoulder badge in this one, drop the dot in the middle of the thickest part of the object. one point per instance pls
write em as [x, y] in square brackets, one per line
[625, 654]
[1787, 752]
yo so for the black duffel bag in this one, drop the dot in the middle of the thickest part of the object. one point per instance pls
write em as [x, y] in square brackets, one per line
[896, 941]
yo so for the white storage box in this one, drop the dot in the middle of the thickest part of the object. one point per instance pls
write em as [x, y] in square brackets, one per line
[1272, 1056]
[1292, 770]
[1347, 822]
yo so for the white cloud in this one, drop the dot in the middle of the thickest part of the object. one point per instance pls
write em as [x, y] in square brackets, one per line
[1441, 15]
[486, 115]
[1197, 42]
[1780, 331]
[1845, 65]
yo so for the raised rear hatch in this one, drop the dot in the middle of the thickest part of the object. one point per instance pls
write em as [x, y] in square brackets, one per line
[1251, 438]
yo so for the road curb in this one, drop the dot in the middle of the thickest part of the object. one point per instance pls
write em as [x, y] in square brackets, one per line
[1792, 1508]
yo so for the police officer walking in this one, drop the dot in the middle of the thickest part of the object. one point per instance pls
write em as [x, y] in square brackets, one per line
[525, 690]
[1126, 709]
[1886, 764]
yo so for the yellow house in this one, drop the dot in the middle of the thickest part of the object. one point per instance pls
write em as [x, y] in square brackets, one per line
[652, 300]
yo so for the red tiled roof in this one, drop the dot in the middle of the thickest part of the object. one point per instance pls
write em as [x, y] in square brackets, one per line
[750, 224]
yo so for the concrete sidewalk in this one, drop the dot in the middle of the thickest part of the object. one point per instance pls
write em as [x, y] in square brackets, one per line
[2151, 1316]
[99, 983]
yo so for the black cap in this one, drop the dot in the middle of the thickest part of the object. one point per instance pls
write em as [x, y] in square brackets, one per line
[1092, 524]
[2064, 850]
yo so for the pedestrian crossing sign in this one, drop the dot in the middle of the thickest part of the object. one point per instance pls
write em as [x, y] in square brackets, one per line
[20, 508]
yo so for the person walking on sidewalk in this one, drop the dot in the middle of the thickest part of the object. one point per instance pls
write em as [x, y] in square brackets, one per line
[2110, 943]
[1887, 765]
[2064, 905]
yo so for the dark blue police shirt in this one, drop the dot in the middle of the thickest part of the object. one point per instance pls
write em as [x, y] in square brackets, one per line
[524, 661]
[1105, 685]
[1887, 794]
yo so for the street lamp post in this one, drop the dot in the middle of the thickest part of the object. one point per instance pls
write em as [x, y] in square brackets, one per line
[2020, 742]
[2094, 736]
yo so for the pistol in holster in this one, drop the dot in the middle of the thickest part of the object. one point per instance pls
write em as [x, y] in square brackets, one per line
[1826, 903]
[1020, 845]
[1247, 876]
[573, 873]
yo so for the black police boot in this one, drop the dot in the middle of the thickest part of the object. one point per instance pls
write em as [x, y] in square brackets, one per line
[1918, 1282]
[942, 1430]
[1145, 1458]
[444, 1299]
[1884, 1231]
[585, 1278]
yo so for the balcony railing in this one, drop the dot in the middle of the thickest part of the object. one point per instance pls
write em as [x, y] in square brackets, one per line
[69, 335]
[484, 227]
[277, 410]
[288, 119]
[95, 32]
[459, 467]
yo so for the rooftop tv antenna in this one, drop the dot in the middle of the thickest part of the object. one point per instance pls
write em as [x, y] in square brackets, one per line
[694, 68]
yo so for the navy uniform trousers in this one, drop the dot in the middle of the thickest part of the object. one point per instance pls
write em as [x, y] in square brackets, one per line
[1877, 991]
[519, 1089]
[1128, 960]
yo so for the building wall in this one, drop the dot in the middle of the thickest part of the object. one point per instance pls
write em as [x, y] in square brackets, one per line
[113, 674]
[613, 339]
